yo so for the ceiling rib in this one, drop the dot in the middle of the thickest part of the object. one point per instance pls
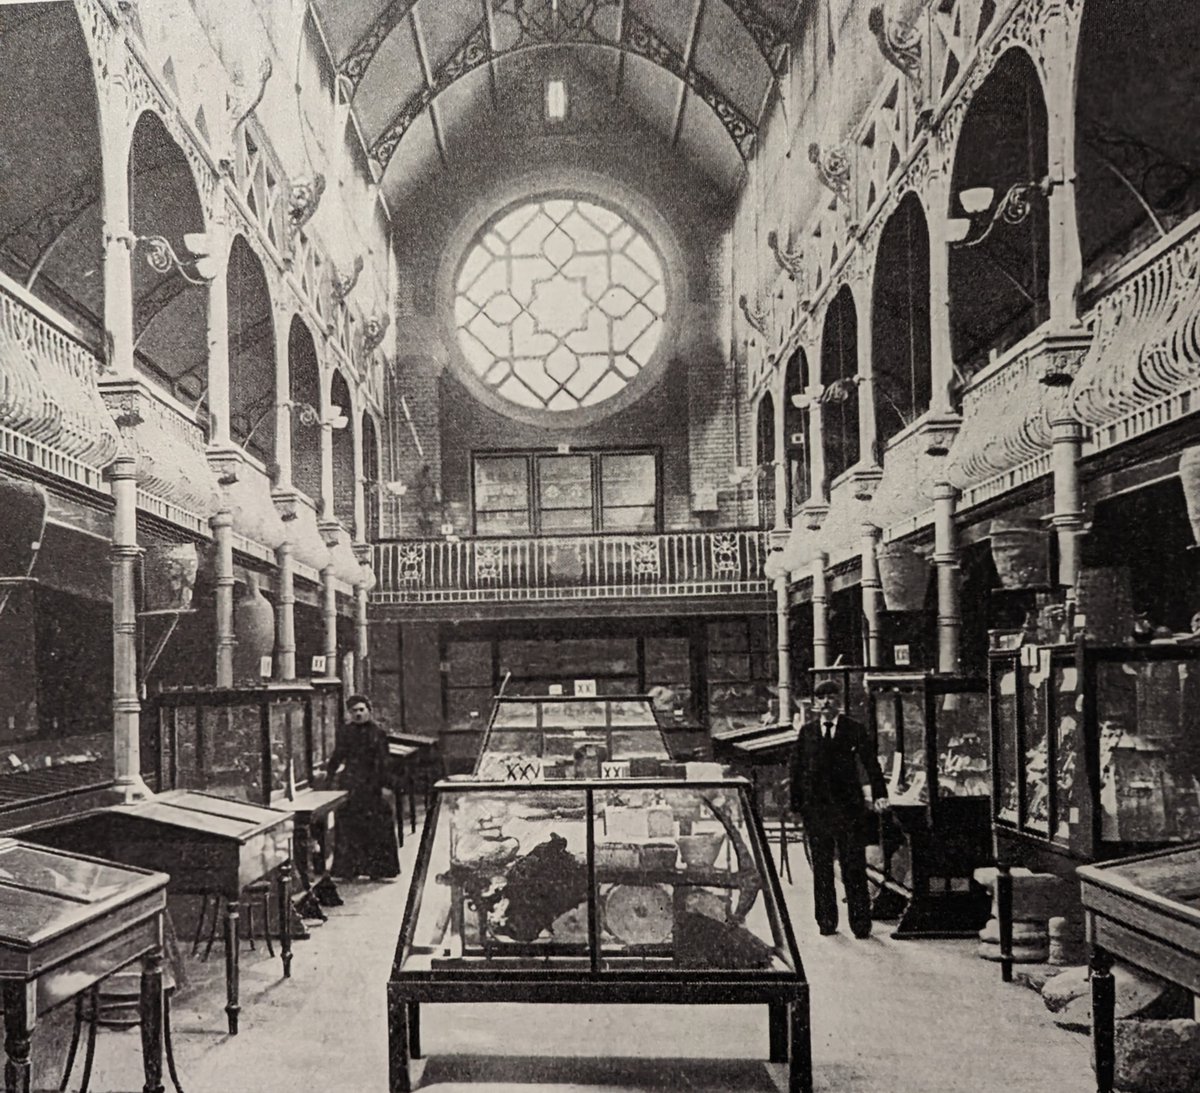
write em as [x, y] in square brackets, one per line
[767, 36]
[358, 60]
[688, 54]
[491, 25]
[418, 37]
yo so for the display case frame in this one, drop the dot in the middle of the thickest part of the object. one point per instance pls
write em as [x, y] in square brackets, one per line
[946, 837]
[537, 972]
[1067, 715]
[265, 783]
[599, 732]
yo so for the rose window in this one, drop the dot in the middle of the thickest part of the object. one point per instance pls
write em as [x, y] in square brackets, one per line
[559, 304]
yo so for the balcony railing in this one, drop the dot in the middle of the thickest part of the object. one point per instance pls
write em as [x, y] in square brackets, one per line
[687, 563]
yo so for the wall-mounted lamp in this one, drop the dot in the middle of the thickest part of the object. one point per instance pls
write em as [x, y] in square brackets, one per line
[978, 202]
[198, 267]
[335, 419]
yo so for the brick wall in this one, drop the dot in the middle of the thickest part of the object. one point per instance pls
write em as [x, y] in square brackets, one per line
[688, 413]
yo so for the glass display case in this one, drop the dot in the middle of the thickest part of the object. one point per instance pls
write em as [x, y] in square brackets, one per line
[852, 679]
[251, 744]
[548, 738]
[1097, 751]
[326, 716]
[931, 736]
[606, 891]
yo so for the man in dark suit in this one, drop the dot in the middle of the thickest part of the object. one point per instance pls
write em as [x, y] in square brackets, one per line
[827, 792]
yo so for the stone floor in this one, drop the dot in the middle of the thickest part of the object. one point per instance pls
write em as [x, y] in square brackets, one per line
[894, 1016]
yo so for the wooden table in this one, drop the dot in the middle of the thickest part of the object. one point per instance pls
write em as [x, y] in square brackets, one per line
[1145, 910]
[66, 922]
[208, 845]
[309, 810]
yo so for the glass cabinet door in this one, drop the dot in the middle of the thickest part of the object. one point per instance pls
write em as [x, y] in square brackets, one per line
[1149, 750]
[964, 769]
[1005, 712]
[1072, 808]
[915, 778]
[1036, 758]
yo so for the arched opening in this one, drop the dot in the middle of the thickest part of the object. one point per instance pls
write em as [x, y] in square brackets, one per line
[765, 470]
[251, 354]
[304, 392]
[371, 484]
[51, 231]
[999, 281]
[839, 379]
[795, 424]
[341, 412]
[1137, 168]
[900, 349]
[169, 312]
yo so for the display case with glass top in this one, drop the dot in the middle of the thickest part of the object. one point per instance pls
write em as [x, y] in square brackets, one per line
[67, 922]
[549, 738]
[931, 738]
[597, 891]
[1097, 751]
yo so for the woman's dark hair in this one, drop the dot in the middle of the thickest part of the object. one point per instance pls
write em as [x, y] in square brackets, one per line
[358, 700]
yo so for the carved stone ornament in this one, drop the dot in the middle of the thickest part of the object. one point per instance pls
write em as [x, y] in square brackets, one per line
[755, 316]
[899, 42]
[374, 330]
[813, 515]
[287, 504]
[342, 284]
[245, 94]
[866, 482]
[790, 261]
[833, 169]
[303, 198]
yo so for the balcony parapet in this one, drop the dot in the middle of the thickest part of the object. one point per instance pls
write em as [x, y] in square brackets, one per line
[674, 564]
[1009, 407]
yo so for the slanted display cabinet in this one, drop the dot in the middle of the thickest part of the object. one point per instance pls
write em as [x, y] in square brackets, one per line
[931, 736]
[597, 892]
[546, 738]
[1096, 752]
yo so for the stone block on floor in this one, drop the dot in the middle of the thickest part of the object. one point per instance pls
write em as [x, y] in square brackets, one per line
[1158, 1056]
[1069, 997]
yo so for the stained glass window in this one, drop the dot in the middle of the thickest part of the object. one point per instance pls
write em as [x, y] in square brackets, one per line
[559, 304]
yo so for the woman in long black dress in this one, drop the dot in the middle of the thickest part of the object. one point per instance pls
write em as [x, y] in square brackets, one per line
[366, 825]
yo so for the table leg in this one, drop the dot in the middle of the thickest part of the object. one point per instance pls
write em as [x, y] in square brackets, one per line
[800, 1072]
[150, 1012]
[18, 1031]
[414, 1029]
[232, 944]
[1104, 996]
[1004, 916]
[412, 801]
[399, 1080]
[777, 1028]
[285, 918]
[302, 841]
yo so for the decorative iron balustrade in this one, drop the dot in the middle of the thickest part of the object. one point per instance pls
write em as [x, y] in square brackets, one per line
[685, 563]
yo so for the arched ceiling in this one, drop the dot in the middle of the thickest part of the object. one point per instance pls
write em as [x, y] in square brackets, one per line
[428, 79]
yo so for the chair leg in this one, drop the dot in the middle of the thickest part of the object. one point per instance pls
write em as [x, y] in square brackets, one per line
[167, 1043]
[89, 1055]
[66, 1078]
[200, 924]
[248, 907]
[266, 914]
[212, 933]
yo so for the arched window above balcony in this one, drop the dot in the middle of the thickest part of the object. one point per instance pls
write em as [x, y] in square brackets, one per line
[839, 380]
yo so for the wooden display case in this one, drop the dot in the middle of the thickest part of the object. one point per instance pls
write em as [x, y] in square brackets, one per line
[1145, 910]
[931, 735]
[613, 891]
[1096, 753]
[66, 922]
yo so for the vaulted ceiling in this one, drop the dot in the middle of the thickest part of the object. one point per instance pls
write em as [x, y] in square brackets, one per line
[430, 80]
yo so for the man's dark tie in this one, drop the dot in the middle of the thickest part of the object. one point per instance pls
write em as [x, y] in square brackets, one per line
[827, 729]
